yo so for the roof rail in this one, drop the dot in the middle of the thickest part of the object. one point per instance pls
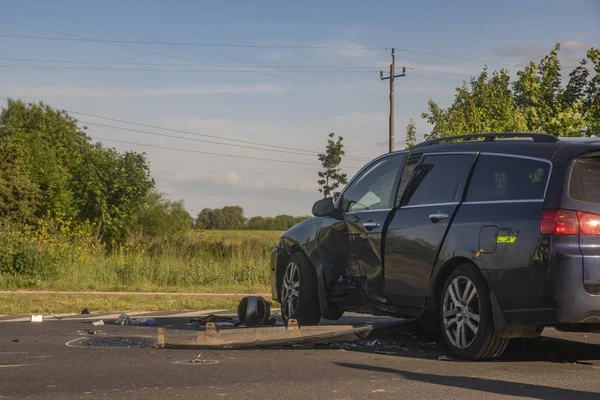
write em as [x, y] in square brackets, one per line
[489, 137]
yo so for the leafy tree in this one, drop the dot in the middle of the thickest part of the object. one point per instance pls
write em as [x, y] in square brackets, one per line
[162, 217]
[203, 220]
[18, 195]
[486, 104]
[411, 132]
[73, 177]
[536, 102]
[332, 177]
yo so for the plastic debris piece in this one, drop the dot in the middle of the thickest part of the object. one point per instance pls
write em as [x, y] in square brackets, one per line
[98, 323]
[91, 331]
[444, 358]
[169, 326]
[389, 353]
[224, 324]
[123, 320]
[195, 324]
[85, 311]
[36, 318]
[372, 343]
[57, 317]
[145, 322]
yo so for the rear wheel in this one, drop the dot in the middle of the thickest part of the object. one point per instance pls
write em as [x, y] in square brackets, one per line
[466, 316]
[299, 296]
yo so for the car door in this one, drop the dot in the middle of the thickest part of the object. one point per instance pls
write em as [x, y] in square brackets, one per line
[351, 246]
[418, 226]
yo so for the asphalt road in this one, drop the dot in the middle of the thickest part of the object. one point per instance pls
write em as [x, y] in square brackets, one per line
[41, 364]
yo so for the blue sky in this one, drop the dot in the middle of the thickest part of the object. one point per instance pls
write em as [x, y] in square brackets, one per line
[295, 110]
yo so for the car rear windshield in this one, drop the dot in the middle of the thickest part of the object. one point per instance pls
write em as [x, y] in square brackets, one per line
[585, 180]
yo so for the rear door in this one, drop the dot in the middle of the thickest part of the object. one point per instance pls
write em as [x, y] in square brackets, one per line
[419, 224]
[584, 194]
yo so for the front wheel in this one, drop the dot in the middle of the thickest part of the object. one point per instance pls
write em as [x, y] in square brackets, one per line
[466, 316]
[299, 296]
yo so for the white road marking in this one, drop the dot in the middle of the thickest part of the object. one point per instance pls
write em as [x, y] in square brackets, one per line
[15, 365]
[104, 317]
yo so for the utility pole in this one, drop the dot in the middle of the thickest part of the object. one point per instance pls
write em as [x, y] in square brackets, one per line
[391, 78]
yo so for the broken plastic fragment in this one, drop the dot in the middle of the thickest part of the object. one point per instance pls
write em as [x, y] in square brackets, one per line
[98, 323]
[444, 358]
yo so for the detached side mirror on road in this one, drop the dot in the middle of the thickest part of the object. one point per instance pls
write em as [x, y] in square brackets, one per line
[323, 208]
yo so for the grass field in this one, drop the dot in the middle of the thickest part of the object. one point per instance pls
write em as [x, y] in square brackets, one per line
[202, 261]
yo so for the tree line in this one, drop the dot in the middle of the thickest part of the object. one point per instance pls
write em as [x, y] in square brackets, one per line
[232, 217]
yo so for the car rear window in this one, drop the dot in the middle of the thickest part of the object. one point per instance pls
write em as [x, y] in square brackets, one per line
[506, 178]
[585, 180]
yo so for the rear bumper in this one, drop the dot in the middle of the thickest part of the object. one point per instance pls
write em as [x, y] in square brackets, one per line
[573, 304]
[550, 292]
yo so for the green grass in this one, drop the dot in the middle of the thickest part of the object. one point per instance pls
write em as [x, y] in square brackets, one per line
[56, 304]
[67, 260]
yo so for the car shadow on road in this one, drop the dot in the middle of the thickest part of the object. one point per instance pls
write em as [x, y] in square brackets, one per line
[498, 387]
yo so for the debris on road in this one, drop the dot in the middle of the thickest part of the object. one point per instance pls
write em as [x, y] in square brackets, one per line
[194, 324]
[85, 311]
[389, 353]
[57, 317]
[36, 318]
[98, 323]
[16, 340]
[92, 332]
[144, 322]
[123, 320]
[444, 358]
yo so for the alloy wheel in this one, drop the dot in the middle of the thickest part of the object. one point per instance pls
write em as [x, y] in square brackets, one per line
[290, 290]
[461, 311]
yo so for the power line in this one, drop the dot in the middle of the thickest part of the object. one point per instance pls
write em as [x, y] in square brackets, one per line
[311, 152]
[75, 37]
[175, 70]
[210, 153]
[190, 44]
[203, 140]
[184, 65]
[163, 43]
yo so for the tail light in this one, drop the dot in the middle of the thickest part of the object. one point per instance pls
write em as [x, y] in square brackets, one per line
[568, 222]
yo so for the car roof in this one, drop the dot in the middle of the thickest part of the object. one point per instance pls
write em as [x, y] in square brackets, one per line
[560, 150]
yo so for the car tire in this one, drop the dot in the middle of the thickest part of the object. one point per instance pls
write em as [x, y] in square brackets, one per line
[466, 318]
[299, 296]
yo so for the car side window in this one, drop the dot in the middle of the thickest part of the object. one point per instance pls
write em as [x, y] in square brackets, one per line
[375, 187]
[503, 178]
[437, 179]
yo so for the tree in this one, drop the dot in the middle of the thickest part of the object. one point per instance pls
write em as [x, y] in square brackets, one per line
[162, 217]
[411, 132]
[332, 177]
[18, 195]
[72, 176]
[486, 104]
[535, 102]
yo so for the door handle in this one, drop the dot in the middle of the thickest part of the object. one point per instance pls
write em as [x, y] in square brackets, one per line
[371, 225]
[438, 217]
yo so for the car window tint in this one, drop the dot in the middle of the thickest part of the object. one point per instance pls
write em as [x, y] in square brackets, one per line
[585, 180]
[437, 179]
[407, 172]
[501, 178]
[374, 188]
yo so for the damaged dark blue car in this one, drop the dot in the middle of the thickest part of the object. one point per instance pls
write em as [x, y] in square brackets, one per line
[486, 237]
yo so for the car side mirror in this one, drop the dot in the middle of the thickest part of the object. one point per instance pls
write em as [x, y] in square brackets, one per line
[323, 208]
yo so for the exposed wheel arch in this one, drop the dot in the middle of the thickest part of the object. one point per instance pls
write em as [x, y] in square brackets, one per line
[445, 271]
[282, 262]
